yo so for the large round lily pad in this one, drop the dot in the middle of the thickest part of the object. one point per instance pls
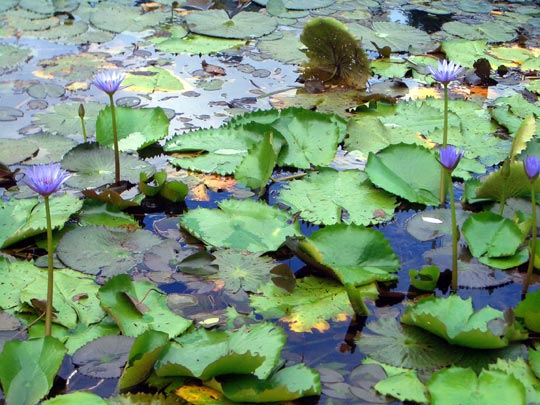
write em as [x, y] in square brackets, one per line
[398, 37]
[104, 251]
[216, 23]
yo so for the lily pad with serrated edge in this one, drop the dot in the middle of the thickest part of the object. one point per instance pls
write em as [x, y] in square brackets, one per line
[241, 225]
[93, 166]
[331, 197]
[104, 251]
[216, 23]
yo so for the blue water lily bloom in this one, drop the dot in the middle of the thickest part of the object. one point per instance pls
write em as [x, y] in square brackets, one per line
[450, 157]
[45, 179]
[446, 71]
[109, 81]
[532, 167]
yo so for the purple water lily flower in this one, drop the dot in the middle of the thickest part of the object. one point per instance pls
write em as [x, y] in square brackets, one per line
[450, 157]
[445, 72]
[109, 81]
[45, 179]
[532, 167]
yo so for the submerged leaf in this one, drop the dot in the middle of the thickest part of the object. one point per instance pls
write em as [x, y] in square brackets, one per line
[334, 55]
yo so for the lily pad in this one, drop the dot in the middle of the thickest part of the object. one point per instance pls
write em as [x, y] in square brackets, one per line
[119, 17]
[11, 56]
[51, 147]
[137, 128]
[242, 270]
[398, 37]
[181, 42]
[331, 197]
[459, 385]
[241, 225]
[21, 219]
[104, 357]
[16, 150]
[529, 311]
[150, 80]
[43, 90]
[286, 49]
[77, 397]
[287, 384]
[418, 181]
[104, 251]
[310, 306]
[492, 31]
[216, 23]
[454, 319]
[432, 224]
[28, 368]
[203, 354]
[94, 166]
[301, 4]
[352, 254]
[491, 235]
[138, 306]
[387, 341]
[64, 119]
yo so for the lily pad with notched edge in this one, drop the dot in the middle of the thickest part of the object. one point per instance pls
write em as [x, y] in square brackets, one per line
[454, 319]
[16, 150]
[104, 251]
[216, 23]
[137, 128]
[150, 80]
[94, 166]
[181, 42]
[462, 386]
[119, 17]
[352, 254]
[64, 119]
[301, 4]
[529, 311]
[418, 181]
[11, 56]
[245, 225]
[432, 224]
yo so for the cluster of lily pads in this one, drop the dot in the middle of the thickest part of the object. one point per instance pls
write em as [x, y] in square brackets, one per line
[92, 304]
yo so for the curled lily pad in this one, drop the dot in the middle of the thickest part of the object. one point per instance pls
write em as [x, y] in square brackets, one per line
[104, 251]
[104, 357]
[216, 23]
[454, 319]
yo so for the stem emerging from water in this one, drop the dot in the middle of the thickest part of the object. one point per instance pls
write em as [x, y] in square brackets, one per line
[455, 234]
[50, 270]
[532, 251]
[442, 192]
[115, 140]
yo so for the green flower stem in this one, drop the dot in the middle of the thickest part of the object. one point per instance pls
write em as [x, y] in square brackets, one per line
[115, 139]
[532, 252]
[50, 268]
[454, 234]
[442, 192]
[85, 137]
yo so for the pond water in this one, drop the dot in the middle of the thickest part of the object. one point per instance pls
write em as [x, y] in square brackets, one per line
[254, 78]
